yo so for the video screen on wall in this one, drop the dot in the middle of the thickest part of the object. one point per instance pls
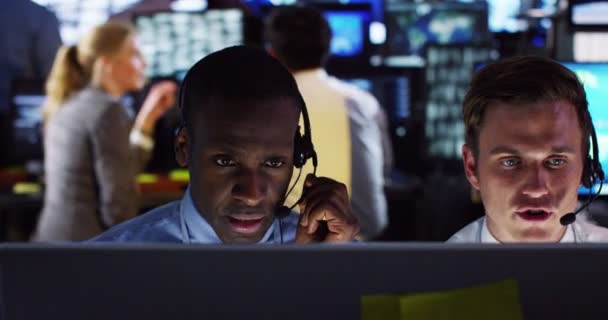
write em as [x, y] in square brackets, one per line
[588, 13]
[171, 42]
[349, 31]
[412, 26]
[595, 79]
[76, 17]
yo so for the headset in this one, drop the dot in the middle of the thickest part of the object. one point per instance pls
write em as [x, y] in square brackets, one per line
[303, 149]
[592, 173]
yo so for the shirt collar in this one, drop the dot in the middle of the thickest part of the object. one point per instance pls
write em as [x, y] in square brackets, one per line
[487, 237]
[311, 74]
[195, 229]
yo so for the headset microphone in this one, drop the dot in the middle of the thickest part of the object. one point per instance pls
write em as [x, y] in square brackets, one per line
[569, 218]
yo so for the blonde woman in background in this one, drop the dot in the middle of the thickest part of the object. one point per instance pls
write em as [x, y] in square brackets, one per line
[93, 149]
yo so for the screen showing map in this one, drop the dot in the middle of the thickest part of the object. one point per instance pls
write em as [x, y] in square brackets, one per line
[412, 26]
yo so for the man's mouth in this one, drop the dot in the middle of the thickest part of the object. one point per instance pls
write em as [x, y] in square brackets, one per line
[246, 223]
[534, 214]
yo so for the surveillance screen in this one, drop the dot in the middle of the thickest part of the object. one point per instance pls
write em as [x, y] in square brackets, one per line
[507, 16]
[348, 31]
[589, 13]
[411, 26]
[172, 42]
[28, 118]
[76, 17]
[392, 92]
[595, 79]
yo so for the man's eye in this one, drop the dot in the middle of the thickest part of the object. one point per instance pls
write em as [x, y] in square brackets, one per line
[509, 163]
[225, 162]
[556, 162]
[274, 163]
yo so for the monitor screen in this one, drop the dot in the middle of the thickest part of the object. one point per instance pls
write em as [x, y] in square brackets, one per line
[172, 42]
[392, 92]
[27, 98]
[349, 25]
[27, 121]
[588, 13]
[76, 17]
[448, 74]
[349, 30]
[507, 16]
[595, 79]
[411, 26]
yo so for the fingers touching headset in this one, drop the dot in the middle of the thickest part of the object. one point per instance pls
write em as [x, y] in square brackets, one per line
[325, 212]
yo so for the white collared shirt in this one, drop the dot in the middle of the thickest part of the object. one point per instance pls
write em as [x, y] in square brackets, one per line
[487, 237]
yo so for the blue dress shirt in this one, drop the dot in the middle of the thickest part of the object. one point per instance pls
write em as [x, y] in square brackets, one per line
[180, 222]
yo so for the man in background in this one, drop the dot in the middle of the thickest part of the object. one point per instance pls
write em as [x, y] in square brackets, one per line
[29, 40]
[349, 122]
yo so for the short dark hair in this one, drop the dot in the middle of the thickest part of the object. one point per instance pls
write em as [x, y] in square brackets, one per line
[300, 36]
[522, 80]
[238, 73]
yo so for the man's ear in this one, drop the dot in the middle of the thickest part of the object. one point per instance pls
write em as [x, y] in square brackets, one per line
[181, 147]
[470, 166]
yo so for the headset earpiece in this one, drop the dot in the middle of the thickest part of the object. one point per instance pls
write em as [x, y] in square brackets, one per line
[588, 173]
[303, 149]
[592, 168]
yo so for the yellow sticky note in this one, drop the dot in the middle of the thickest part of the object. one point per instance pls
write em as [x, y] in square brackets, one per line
[497, 301]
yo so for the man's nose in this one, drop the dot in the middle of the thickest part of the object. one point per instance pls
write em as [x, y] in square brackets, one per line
[251, 187]
[536, 181]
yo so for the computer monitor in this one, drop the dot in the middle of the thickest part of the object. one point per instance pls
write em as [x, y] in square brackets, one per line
[595, 79]
[588, 14]
[172, 42]
[412, 26]
[392, 92]
[399, 92]
[76, 17]
[26, 99]
[349, 23]
[508, 16]
[350, 28]
[449, 71]
[322, 282]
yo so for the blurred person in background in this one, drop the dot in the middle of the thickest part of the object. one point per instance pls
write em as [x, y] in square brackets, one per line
[29, 39]
[350, 126]
[93, 149]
